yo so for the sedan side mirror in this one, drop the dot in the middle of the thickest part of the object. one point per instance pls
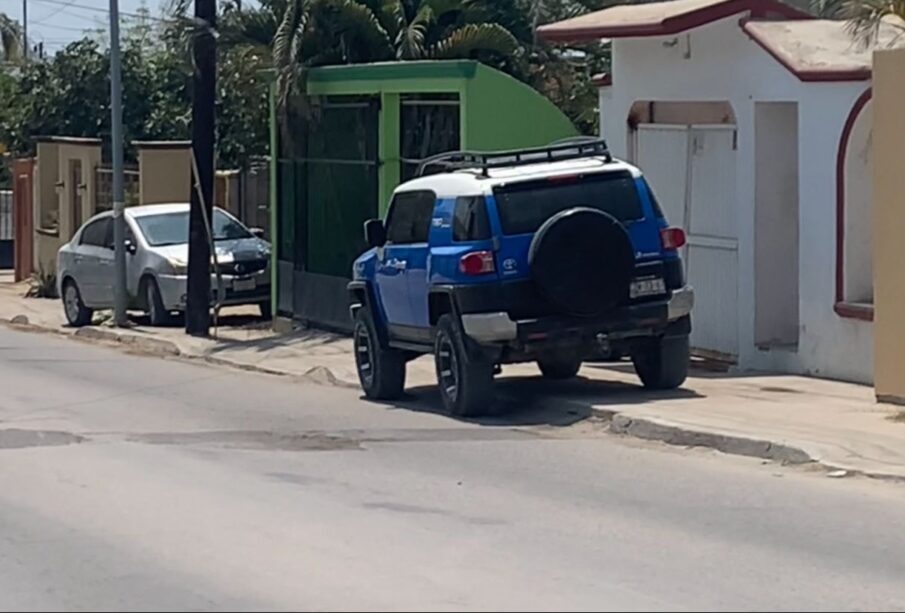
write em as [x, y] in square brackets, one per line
[257, 232]
[375, 233]
[130, 246]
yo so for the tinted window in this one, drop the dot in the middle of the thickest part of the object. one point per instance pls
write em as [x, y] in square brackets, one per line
[173, 228]
[95, 233]
[470, 222]
[410, 217]
[524, 207]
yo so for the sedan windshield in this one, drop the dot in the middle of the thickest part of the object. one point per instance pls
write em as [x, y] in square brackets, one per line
[173, 228]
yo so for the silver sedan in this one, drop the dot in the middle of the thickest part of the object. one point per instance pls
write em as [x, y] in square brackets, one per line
[156, 264]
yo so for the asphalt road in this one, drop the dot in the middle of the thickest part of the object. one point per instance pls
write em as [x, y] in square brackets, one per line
[131, 483]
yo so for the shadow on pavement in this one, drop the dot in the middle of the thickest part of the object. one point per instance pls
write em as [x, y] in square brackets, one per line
[534, 401]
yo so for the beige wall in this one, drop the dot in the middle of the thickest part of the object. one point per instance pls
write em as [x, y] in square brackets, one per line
[889, 224]
[64, 194]
[165, 174]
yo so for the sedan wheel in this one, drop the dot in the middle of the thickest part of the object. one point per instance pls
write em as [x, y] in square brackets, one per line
[77, 314]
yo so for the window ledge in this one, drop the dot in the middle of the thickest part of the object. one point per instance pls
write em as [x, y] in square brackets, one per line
[855, 310]
[48, 231]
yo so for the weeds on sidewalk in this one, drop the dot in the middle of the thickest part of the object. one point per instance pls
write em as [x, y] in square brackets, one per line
[42, 284]
[898, 417]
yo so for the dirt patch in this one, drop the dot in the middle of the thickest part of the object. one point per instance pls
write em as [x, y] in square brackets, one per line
[251, 440]
[22, 439]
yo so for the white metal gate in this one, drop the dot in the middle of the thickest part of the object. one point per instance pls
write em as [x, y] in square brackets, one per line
[692, 171]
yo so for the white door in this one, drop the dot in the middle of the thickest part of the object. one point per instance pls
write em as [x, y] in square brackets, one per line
[692, 171]
[662, 154]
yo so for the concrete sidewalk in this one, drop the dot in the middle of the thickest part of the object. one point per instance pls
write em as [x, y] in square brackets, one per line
[782, 418]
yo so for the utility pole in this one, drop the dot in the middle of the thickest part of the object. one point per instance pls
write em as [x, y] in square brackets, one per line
[119, 200]
[198, 303]
[25, 29]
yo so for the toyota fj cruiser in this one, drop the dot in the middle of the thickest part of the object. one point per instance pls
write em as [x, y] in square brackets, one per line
[557, 255]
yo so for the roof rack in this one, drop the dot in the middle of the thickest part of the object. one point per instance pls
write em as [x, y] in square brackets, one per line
[567, 149]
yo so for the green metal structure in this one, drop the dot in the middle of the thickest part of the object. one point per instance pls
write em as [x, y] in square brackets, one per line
[370, 126]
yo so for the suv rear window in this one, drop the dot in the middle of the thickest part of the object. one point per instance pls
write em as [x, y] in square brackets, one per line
[524, 207]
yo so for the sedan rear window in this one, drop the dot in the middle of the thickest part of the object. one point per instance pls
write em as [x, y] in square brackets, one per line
[173, 228]
[524, 207]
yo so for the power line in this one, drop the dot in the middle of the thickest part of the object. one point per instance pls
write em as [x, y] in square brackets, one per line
[106, 11]
[53, 26]
[53, 13]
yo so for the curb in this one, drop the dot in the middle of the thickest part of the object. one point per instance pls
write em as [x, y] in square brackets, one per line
[153, 346]
[651, 429]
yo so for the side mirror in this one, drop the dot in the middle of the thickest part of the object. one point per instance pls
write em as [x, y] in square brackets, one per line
[257, 232]
[375, 233]
[130, 247]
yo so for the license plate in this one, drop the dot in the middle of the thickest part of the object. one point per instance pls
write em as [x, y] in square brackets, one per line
[647, 287]
[243, 285]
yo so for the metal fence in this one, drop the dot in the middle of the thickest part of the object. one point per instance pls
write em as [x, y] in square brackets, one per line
[6, 215]
[103, 195]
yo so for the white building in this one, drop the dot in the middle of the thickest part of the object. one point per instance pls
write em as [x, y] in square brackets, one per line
[752, 122]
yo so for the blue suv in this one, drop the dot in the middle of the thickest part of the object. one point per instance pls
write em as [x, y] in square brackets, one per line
[555, 255]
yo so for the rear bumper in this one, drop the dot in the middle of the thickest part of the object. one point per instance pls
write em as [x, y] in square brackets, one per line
[635, 320]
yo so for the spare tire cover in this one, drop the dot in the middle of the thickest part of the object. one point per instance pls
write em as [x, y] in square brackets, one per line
[582, 262]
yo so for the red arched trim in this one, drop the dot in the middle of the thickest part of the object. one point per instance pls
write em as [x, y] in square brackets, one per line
[841, 307]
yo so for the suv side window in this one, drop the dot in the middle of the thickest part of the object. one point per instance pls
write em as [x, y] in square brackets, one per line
[410, 217]
[95, 233]
[470, 221]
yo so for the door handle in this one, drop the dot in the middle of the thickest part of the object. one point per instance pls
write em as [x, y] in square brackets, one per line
[396, 264]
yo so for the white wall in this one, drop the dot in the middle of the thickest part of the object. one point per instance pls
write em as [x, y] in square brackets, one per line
[831, 346]
[719, 62]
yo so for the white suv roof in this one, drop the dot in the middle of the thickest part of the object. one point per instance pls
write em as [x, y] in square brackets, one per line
[473, 182]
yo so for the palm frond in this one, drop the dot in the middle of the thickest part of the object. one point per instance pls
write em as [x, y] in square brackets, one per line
[410, 42]
[351, 19]
[283, 39]
[865, 17]
[392, 17]
[465, 41]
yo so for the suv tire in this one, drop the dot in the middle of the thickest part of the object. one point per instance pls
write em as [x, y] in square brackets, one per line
[381, 370]
[663, 363]
[466, 381]
[558, 367]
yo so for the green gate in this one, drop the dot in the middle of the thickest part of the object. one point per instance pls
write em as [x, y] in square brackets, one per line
[327, 194]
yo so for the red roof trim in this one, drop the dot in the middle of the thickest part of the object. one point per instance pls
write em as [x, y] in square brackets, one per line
[813, 75]
[861, 312]
[554, 32]
[842, 308]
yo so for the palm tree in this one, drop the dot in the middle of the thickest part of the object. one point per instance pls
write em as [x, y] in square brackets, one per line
[10, 39]
[318, 32]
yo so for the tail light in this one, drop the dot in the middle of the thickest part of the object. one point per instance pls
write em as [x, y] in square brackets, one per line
[477, 263]
[672, 238]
